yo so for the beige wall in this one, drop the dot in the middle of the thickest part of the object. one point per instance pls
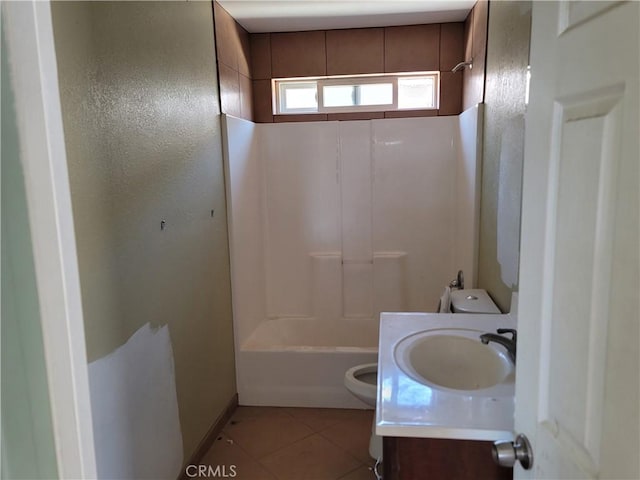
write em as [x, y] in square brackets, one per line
[506, 67]
[141, 118]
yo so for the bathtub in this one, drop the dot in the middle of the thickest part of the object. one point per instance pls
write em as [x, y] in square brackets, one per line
[300, 362]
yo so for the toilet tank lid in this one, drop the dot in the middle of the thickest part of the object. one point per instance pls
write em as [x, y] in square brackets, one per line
[473, 300]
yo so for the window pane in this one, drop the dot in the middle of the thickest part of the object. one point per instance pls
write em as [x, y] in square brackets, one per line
[357, 93]
[354, 95]
[338, 95]
[376, 94]
[298, 96]
[416, 92]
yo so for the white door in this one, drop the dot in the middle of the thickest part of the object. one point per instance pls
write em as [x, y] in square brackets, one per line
[578, 363]
[38, 133]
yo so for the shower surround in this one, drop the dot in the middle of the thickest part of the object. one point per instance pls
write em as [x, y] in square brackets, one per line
[331, 223]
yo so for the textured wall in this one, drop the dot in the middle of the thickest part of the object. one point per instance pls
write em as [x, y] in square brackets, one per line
[141, 118]
[506, 67]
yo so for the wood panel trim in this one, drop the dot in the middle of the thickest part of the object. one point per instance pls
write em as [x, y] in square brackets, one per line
[262, 106]
[440, 459]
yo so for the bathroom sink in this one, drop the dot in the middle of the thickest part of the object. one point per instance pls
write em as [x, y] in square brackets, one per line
[453, 359]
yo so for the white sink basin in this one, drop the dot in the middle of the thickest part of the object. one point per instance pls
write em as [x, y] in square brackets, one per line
[453, 359]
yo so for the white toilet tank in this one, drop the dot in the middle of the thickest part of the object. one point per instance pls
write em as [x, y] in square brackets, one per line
[472, 301]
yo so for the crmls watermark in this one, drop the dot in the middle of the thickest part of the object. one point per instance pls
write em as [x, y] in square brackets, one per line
[211, 471]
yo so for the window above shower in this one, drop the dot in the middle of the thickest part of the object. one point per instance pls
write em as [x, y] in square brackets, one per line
[361, 93]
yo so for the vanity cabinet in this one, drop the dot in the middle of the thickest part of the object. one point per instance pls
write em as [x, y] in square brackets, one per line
[440, 459]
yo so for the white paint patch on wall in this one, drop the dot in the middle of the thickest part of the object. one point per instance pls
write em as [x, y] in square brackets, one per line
[135, 409]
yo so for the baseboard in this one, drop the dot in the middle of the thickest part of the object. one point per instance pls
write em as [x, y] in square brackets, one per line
[210, 437]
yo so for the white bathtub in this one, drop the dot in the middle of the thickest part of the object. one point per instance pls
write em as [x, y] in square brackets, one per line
[300, 362]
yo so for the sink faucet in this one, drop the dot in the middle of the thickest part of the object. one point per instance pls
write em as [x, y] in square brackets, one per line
[508, 343]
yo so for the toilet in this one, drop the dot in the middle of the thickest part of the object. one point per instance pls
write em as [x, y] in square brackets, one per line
[472, 300]
[362, 380]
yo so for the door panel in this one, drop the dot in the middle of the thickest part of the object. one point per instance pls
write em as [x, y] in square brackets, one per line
[572, 14]
[28, 448]
[583, 164]
[580, 220]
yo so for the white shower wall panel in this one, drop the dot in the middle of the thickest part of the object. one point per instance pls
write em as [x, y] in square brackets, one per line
[356, 189]
[334, 220]
[326, 281]
[414, 162]
[245, 215]
[302, 198]
[390, 282]
[468, 193]
[331, 223]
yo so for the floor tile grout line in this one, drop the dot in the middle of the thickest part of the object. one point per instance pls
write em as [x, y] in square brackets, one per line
[351, 471]
[318, 430]
[251, 456]
[346, 451]
[258, 459]
[239, 445]
[314, 431]
[286, 446]
[342, 449]
[336, 423]
[262, 416]
[315, 409]
[278, 477]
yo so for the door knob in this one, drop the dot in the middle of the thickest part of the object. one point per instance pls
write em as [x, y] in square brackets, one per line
[506, 453]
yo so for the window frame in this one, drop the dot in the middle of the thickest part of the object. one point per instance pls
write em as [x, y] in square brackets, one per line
[280, 109]
[351, 81]
[292, 84]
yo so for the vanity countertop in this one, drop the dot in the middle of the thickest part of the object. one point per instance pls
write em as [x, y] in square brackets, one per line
[408, 408]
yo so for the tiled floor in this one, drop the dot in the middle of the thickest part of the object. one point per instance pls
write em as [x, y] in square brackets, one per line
[267, 443]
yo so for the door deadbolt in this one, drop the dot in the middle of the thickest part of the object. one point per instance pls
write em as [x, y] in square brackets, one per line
[506, 453]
